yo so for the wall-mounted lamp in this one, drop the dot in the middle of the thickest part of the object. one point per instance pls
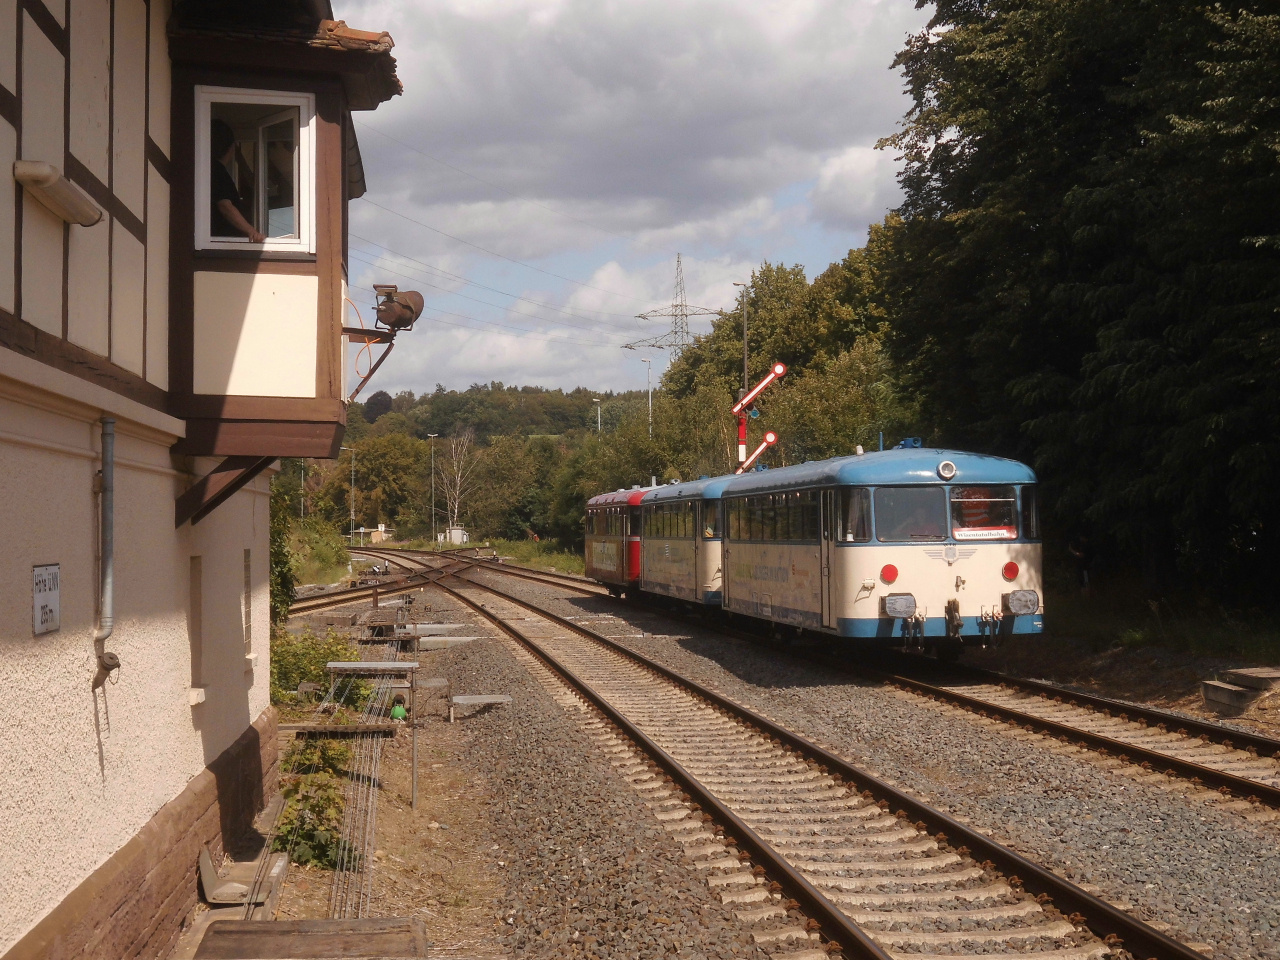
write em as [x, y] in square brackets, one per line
[397, 311]
[64, 199]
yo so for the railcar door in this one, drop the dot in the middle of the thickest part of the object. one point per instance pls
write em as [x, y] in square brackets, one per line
[695, 568]
[827, 546]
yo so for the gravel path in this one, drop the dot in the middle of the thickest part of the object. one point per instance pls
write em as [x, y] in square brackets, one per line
[590, 872]
[1209, 874]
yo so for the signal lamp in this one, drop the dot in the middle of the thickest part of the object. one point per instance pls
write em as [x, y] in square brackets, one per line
[1010, 571]
[889, 573]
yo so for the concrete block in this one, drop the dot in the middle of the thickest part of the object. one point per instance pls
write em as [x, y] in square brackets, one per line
[429, 629]
[1264, 679]
[1227, 697]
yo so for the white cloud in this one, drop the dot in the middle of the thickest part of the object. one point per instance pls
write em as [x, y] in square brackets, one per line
[856, 186]
[593, 139]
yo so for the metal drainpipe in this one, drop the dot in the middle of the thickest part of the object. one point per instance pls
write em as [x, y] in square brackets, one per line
[107, 661]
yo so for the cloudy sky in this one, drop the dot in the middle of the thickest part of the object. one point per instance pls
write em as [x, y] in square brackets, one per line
[549, 158]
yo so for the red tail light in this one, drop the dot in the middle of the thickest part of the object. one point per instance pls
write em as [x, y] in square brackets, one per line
[888, 573]
[1010, 571]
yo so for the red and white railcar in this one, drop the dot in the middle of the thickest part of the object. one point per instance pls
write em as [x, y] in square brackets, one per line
[613, 539]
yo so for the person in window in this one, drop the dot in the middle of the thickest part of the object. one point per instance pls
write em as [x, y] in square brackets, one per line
[225, 218]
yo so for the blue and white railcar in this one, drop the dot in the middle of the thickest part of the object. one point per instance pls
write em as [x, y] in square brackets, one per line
[917, 547]
[680, 546]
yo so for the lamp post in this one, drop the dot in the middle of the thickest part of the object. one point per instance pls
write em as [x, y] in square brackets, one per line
[596, 401]
[352, 451]
[746, 384]
[648, 379]
[302, 491]
[432, 438]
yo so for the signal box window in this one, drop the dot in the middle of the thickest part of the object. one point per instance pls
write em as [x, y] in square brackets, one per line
[255, 170]
[907, 514]
[984, 513]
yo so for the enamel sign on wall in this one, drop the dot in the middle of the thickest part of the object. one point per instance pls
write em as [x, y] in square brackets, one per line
[46, 591]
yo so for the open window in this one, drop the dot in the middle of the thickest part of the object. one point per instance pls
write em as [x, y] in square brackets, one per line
[255, 170]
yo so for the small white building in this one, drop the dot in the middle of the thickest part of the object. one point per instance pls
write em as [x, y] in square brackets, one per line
[454, 535]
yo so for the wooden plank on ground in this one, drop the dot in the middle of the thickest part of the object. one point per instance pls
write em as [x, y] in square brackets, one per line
[371, 666]
[393, 938]
[339, 729]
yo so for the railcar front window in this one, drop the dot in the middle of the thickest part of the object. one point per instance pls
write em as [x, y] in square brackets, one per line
[855, 515]
[984, 513]
[910, 514]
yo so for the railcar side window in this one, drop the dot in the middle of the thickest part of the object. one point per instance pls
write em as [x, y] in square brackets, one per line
[905, 514]
[855, 515]
[633, 515]
[1030, 513]
[984, 513]
[809, 515]
[712, 521]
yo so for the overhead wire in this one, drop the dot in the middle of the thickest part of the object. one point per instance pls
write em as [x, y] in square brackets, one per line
[515, 196]
[488, 303]
[489, 183]
[484, 286]
[525, 333]
[502, 256]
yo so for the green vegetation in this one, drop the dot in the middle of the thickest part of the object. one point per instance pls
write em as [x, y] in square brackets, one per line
[302, 657]
[319, 551]
[540, 554]
[310, 825]
[1083, 274]
[281, 577]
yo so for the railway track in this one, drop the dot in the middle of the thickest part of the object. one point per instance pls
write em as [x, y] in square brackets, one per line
[1212, 755]
[1215, 756]
[868, 867]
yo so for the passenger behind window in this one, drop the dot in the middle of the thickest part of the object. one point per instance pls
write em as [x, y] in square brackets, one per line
[225, 218]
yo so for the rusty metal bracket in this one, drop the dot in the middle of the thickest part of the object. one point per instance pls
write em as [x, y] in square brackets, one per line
[374, 369]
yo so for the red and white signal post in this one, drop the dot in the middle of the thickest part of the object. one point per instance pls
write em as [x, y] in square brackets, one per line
[740, 411]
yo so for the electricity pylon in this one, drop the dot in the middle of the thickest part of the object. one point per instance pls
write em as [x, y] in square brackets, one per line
[679, 312]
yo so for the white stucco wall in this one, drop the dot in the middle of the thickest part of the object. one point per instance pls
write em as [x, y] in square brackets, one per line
[79, 774]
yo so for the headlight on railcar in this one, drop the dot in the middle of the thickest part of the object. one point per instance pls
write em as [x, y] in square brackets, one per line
[1022, 602]
[899, 605]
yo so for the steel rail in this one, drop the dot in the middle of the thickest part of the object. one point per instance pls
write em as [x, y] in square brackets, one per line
[340, 598]
[851, 939]
[569, 581]
[1108, 922]
[1127, 752]
[1154, 716]
[1216, 732]
[1145, 757]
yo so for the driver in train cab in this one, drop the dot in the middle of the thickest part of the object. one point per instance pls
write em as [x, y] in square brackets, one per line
[225, 217]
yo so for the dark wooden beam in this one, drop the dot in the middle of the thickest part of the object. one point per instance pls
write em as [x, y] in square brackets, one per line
[261, 438]
[210, 492]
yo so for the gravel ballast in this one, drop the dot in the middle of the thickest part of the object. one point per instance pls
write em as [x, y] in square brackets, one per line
[1209, 874]
[589, 870]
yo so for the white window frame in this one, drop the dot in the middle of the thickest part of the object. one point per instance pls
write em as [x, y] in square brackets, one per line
[305, 242]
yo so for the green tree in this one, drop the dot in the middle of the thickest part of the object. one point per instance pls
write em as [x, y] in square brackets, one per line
[280, 578]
